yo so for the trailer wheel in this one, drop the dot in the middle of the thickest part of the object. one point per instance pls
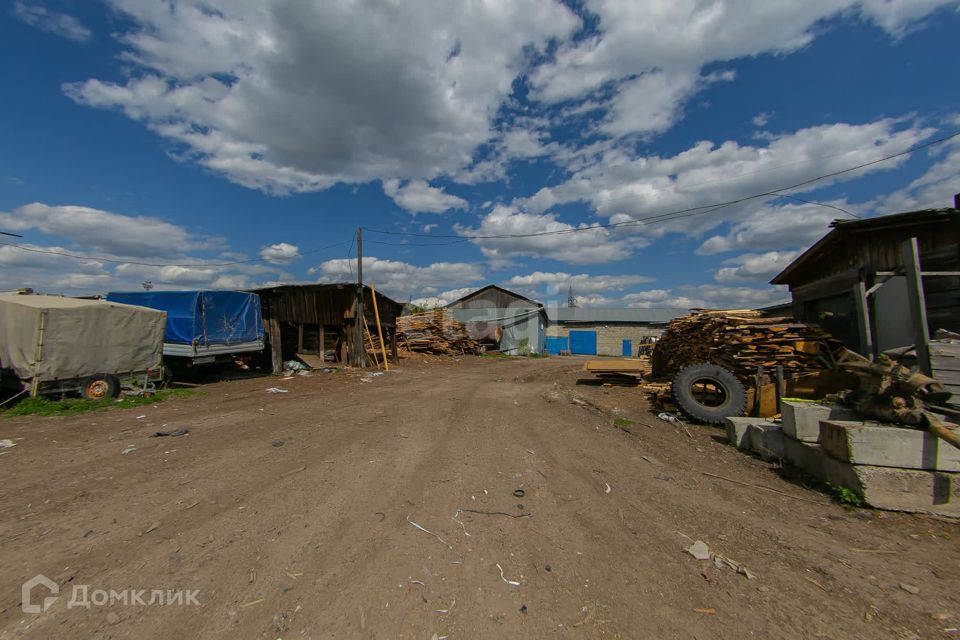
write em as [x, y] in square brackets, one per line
[99, 386]
[708, 393]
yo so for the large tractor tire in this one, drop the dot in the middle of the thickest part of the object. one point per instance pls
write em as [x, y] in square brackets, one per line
[708, 393]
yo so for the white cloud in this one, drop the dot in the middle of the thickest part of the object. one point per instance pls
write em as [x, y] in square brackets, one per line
[400, 280]
[442, 299]
[649, 56]
[622, 187]
[280, 253]
[418, 197]
[592, 245]
[60, 24]
[583, 284]
[935, 188]
[98, 230]
[772, 227]
[104, 246]
[707, 296]
[296, 96]
[755, 266]
[761, 119]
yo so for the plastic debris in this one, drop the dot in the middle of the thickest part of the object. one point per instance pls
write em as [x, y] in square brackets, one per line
[276, 390]
[294, 365]
[173, 434]
[512, 583]
[668, 418]
[607, 487]
[7, 444]
[130, 447]
[699, 550]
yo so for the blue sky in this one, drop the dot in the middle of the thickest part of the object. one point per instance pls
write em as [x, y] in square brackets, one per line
[233, 144]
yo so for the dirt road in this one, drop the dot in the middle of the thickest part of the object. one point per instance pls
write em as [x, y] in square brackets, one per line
[322, 535]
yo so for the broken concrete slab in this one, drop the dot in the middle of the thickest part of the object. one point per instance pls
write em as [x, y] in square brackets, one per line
[893, 489]
[801, 420]
[737, 431]
[880, 445]
[766, 440]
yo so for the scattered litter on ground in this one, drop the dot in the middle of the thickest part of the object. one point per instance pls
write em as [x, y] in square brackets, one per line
[496, 513]
[290, 473]
[373, 374]
[276, 390]
[709, 612]
[910, 588]
[519, 493]
[668, 418]
[7, 444]
[173, 434]
[130, 447]
[251, 603]
[512, 583]
[652, 460]
[295, 365]
[444, 612]
[430, 532]
[457, 520]
[278, 443]
[699, 550]
[607, 488]
[815, 583]
[152, 527]
[140, 417]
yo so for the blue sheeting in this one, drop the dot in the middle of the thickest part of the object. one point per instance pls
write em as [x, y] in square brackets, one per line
[202, 317]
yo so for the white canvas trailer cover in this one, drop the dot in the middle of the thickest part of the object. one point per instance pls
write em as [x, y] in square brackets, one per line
[46, 339]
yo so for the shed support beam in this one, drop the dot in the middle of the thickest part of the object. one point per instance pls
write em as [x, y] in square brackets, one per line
[918, 304]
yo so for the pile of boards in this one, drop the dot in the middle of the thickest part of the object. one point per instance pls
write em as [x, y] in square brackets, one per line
[741, 341]
[435, 332]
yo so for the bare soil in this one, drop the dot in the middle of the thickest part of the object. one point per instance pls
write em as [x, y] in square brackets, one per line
[315, 538]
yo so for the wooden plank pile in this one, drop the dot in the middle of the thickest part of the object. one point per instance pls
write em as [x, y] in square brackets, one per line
[740, 340]
[435, 332]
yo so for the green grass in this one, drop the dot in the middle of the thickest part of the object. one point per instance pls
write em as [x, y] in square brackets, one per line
[74, 406]
[623, 423]
[846, 497]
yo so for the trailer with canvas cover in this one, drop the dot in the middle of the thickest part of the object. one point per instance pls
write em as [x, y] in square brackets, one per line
[204, 326]
[52, 345]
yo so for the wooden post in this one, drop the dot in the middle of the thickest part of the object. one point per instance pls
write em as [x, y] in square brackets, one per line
[376, 313]
[863, 319]
[369, 337]
[358, 348]
[918, 304]
[276, 345]
[300, 338]
[323, 346]
[393, 347]
[781, 387]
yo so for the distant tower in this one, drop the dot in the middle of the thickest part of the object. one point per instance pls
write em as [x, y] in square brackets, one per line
[571, 301]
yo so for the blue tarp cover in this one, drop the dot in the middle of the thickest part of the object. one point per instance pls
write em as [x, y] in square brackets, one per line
[202, 317]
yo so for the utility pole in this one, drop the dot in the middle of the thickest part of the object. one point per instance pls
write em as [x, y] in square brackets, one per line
[358, 348]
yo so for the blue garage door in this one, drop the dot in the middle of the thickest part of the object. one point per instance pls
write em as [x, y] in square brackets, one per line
[556, 344]
[583, 342]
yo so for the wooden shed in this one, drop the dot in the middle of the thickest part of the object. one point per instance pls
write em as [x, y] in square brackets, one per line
[318, 322]
[852, 281]
[515, 323]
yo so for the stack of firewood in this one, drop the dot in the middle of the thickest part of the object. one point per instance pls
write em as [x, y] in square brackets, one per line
[435, 332]
[740, 341]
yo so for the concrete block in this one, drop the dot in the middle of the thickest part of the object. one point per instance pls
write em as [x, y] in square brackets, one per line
[917, 491]
[737, 431]
[801, 420]
[766, 440]
[887, 446]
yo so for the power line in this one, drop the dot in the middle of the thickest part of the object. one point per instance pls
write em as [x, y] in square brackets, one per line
[7, 233]
[691, 211]
[155, 264]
